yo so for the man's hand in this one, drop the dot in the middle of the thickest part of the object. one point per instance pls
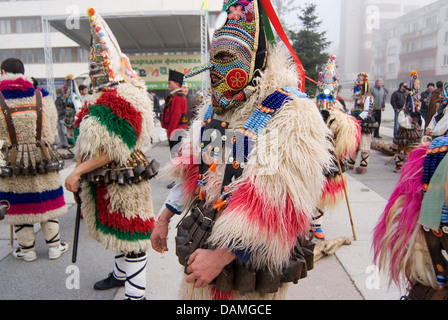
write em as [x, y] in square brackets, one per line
[160, 233]
[159, 236]
[72, 182]
[205, 265]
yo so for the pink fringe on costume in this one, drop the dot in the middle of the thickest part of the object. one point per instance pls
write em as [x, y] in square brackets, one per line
[261, 209]
[389, 244]
[17, 84]
[37, 208]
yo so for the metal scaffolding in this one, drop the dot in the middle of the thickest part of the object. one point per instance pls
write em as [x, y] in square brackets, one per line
[205, 56]
[48, 57]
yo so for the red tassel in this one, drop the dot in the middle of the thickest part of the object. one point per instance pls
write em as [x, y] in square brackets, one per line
[272, 15]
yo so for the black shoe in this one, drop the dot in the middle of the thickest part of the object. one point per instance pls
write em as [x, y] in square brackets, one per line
[378, 137]
[109, 283]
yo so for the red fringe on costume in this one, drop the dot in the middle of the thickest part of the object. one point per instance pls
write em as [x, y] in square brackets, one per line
[219, 295]
[262, 210]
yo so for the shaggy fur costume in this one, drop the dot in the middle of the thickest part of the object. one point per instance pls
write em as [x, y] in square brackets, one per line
[39, 198]
[346, 136]
[273, 201]
[399, 244]
[117, 121]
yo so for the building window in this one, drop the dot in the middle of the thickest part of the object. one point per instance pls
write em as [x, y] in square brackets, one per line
[391, 68]
[431, 21]
[37, 56]
[5, 26]
[410, 47]
[391, 51]
[445, 60]
[28, 26]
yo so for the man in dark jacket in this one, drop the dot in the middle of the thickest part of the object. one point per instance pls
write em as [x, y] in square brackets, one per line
[397, 100]
[433, 104]
[61, 107]
[426, 99]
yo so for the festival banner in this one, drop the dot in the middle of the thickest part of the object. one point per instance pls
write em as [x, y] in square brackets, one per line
[154, 69]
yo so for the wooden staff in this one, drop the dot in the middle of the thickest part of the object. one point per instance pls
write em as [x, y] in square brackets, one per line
[190, 294]
[346, 198]
[77, 223]
[11, 236]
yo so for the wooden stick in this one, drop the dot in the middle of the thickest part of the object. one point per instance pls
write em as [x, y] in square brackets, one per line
[190, 294]
[393, 158]
[11, 236]
[346, 199]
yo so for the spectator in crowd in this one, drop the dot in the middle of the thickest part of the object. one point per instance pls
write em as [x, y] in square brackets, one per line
[426, 99]
[397, 100]
[379, 98]
[83, 92]
[433, 103]
[192, 103]
[61, 108]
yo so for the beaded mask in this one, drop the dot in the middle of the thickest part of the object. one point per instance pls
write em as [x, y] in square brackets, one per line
[107, 64]
[444, 94]
[414, 92]
[238, 52]
[327, 86]
[361, 86]
[240, 37]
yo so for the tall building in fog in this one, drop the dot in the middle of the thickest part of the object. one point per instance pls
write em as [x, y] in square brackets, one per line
[359, 20]
[415, 41]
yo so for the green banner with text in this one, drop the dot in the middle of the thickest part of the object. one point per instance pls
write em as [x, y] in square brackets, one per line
[154, 69]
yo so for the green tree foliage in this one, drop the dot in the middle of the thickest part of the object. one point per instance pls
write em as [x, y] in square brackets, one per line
[310, 45]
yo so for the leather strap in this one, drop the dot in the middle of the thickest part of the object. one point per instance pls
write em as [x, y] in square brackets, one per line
[8, 121]
[7, 112]
[39, 123]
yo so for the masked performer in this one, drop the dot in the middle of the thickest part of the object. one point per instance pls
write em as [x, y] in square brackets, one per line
[362, 111]
[439, 123]
[411, 238]
[251, 173]
[346, 134]
[114, 126]
[74, 105]
[29, 179]
[410, 123]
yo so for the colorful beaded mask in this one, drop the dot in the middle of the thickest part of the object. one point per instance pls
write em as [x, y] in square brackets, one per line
[107, 64]
[327, 86]
[414, 87]
[238, 50]
[361, 85]
[444, 94]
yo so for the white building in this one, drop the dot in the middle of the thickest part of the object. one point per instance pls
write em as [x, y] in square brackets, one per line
[22, 36]
[360, 19]
[415, 41]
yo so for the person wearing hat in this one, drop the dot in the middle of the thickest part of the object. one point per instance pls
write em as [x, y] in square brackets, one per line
[175, 112]
[114, 126]
[250, 171]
